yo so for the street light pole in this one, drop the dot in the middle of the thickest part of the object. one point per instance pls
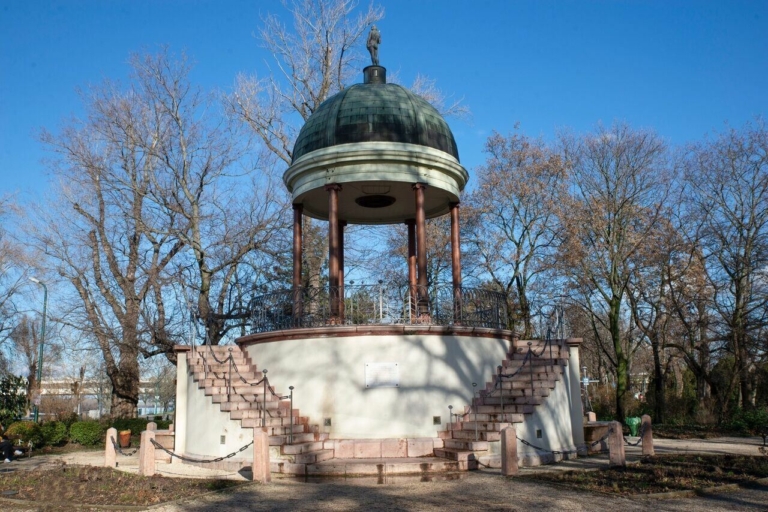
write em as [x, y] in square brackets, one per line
[42, 345]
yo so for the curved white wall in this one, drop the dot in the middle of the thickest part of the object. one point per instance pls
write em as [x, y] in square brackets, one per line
[328, 374]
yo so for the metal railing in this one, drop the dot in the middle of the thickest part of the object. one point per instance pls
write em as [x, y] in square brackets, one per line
[377, 304]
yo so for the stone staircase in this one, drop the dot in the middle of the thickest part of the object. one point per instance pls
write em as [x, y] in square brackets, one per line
[256, 406]
[474, 439]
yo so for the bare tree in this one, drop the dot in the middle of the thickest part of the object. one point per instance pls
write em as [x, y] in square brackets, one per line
[312, 62]
[727, 181]
[617, 190]
[107, 236]
[226, 222]
[513, 216]
[13, 263]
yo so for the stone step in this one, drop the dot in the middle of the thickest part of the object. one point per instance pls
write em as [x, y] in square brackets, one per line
[508, 408]
[210, 379]
[482, 435]
[514, 364]
[508, 417]
[537, 343]
[548, 383]
[276, 421]
[515, 393]
[238, 406]
[484, 425]
[274, 430]
[457, 455]
[241, 389]
[427, 468]
[313, 457]
[538, 352]
[235, 397]
[550, 369]
[306, 437]
[281, 414]
[466, 444]
[510, 400]
[293, 449]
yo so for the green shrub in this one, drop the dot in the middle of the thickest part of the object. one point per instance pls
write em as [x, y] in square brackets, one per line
[54, 432]
[749, 422]
[86, 433]
[27, 431]
[135, 425]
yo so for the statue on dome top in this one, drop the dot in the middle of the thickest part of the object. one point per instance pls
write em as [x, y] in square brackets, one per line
[374, 40]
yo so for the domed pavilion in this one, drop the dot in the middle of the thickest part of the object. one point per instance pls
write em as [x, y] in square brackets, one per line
[398, 371]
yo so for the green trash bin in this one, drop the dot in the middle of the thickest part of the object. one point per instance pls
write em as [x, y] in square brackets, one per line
[633, 424]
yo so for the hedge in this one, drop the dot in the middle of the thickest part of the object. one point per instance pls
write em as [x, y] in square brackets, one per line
[54, 432]
[27, 431]
[86, 433]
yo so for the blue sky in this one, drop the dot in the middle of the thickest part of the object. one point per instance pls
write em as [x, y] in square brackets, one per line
[683, 69]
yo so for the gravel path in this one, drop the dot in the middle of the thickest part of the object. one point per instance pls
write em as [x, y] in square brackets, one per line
[477, 491]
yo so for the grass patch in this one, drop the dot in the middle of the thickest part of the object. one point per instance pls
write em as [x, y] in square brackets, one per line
[665, 473]
[88, 485]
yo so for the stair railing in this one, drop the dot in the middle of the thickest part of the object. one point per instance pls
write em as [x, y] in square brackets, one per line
[264, 381]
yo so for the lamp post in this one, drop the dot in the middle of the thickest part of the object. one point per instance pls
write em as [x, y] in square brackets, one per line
[42, 345]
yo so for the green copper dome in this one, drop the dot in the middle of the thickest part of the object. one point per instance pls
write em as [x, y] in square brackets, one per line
[375, 112]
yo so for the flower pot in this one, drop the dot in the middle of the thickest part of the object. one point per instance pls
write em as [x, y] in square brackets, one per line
[124, 438]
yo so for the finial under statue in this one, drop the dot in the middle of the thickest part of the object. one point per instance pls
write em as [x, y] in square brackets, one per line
[374, 40]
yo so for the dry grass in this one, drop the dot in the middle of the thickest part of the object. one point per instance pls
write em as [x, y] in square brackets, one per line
[102, 486]
[665, 473]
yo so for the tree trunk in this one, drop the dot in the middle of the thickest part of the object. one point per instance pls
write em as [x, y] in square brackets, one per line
[659, 397]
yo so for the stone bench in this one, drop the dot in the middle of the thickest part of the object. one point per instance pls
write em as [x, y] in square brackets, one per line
[593, 431]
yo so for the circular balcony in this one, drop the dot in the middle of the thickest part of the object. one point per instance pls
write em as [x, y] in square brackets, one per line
[377, 304]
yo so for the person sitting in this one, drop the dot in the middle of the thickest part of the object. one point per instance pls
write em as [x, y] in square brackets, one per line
[6, 449]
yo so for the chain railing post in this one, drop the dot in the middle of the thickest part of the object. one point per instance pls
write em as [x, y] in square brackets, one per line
[501, 387]
[474, 385]
[450, 418]
[229, 377]
[290, 433]
[264, 401]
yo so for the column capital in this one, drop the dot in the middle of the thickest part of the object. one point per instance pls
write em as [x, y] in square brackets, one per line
[574, 342]
[333, 186]
[343, 223]
[410, 222]
[453, 205]
[298, 206]
[417, 186]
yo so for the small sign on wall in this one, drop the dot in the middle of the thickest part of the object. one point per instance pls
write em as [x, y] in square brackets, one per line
[382, 375]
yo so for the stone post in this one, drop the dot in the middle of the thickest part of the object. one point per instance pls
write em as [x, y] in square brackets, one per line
[110, 454]
[616, 455]
[647, 435]
[591, 417]
[509, 465]
[147, 453]
[260, 467]
[574, 383]
[180, 416]
[152, 426]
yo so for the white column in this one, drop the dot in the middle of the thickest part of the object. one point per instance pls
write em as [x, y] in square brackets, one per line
[180, 416]
[574, 382]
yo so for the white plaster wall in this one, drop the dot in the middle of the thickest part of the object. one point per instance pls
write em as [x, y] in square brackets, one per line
[329, 379]
[553, 418]
[206, 422]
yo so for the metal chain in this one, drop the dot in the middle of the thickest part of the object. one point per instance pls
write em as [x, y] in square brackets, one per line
[639, 437]
[564, 452]
[199, 461]
[120, 450]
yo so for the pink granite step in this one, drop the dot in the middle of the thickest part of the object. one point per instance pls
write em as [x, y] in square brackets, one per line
[293, 449]
[465, 445]
[313, 457]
